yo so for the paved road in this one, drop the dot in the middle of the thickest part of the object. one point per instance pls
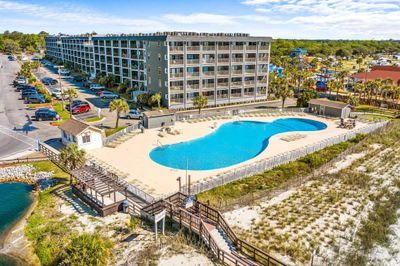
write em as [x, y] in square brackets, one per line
[17, 133]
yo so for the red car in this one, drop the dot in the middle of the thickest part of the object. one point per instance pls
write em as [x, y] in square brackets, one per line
[81, 108]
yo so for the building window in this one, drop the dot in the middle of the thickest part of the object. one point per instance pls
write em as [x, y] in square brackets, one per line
[86, 138]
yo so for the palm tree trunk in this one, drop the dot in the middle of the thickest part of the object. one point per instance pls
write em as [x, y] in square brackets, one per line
[117, 120]
[199, 110]
[283, 102]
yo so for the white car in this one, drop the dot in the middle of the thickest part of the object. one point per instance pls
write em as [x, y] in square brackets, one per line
[64, 72]
[108, 95]
[56, 92]
[134, 114]
[96, 87]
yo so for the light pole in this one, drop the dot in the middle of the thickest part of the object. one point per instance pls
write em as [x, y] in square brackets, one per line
[179, 183]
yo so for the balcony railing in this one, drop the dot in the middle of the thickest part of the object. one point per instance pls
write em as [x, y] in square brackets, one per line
[222, 84]
[236, 95]
[176, 48]
[263, 48]
[263, 70]
[223, 60]
[250, 59]
[209, 85]
[249, 82]
[193, 74]
[223, 48]
[209, 73]
[237, 47]
[176, 75]
[177, 62]
[192, 61]
[250, 71]
[263, 59]
[236, 83]
[193, 48]
[223, 72]
[237, 72]
[237, 60]
[192, 87]
[177, 88]
[208, 48]
[208, 61]
[251, 47]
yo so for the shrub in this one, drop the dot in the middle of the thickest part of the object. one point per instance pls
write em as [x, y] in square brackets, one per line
[88, 249]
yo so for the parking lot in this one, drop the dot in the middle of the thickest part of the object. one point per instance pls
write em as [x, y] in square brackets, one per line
[97, 104]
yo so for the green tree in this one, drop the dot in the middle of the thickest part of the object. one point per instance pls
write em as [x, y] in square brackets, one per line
[156, 98]
[119, 105]
[70, 94]
[108, 80]
[305, 97]
[283, 90]
[143, 99]
[200, 102]
[72, 157]
[88, 249]
[353, 101]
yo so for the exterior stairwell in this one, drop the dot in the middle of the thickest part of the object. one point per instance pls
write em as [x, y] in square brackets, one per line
[122, 139]
[222, 241]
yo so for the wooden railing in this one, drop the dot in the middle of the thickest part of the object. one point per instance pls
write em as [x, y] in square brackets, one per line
[193, 219]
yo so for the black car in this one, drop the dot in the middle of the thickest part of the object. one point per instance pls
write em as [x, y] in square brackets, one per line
[27, 87]
[49, 81]
[78, 78]
[74, 103]
[46, 114]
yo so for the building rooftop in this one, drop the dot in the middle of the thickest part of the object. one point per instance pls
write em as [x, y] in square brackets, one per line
[75, 127]
[380, 72]
[157, 113]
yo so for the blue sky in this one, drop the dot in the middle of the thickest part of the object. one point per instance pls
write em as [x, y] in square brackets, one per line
[311, 19]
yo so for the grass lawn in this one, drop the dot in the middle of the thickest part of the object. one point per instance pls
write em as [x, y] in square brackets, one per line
[48, 166]
[39, 105]
[257, 185]
[376, 109]
[93, 119]
[64, 114]
[110, 131]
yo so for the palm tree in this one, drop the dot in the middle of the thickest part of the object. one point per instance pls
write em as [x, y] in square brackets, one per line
[108, 80]
[118, 105]
[283, 91]
[156, 98]
[70, 93]
[72, 157]
[200, 102]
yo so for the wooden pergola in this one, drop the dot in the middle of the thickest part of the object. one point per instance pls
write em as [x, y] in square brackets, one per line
[95, 186]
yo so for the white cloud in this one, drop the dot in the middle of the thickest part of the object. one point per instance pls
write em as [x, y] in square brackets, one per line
[200, 18]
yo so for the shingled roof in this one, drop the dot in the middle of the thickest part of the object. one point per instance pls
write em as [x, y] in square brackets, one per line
[329, 103]
[75, 127]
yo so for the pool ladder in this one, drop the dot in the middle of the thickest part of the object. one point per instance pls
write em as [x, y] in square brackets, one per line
[159, 144]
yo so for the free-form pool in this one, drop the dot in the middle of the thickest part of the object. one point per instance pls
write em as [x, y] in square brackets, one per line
[230, 144]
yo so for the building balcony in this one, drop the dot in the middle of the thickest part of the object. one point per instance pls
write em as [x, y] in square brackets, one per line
[263, 59]
[208, 61]
[263, 48]
[237, 60]
[193, 48]
[208, 48]
[237, 47]
[177, 62]
[193, 74]
[251, 48]
[249, 83]
[209, 73]
[250, 71]
[192, 87]
[236, 83]
[176, 48]
[176, 75]
[223, 48]
[223, 72]
[223, 60]
[237, 72]
[222, 84]
[209, 86]
[250, 59]
[263, 71]
[192, 61]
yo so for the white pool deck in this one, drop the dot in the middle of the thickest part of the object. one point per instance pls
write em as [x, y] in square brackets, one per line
[132, 157]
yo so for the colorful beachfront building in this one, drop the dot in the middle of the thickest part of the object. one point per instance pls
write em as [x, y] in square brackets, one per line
[225, 68]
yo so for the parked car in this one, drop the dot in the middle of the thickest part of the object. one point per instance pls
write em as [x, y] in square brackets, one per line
[108, 95]
[49, 81]
[22, 87]
[98, 93]
[56, 92]
[96, 87]
[87, 84]
[74, 104]
[46, 114]
[28, 92]
[35, 98]
[81, 108]
[19, 80]
[64, 72]
[134, 114]
[78, 78]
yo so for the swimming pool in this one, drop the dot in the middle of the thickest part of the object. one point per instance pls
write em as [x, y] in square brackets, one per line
[231, 143]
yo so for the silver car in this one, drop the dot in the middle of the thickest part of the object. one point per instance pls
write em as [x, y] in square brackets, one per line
[134, 114]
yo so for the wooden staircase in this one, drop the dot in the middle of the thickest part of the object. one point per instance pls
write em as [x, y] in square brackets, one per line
[212, 228]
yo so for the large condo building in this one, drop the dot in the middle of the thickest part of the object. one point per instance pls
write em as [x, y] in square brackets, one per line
[225, 68]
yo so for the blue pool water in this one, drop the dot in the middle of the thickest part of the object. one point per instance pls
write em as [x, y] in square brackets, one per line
[230, 144]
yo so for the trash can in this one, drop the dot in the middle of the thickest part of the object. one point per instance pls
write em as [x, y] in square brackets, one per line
[125, 206]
